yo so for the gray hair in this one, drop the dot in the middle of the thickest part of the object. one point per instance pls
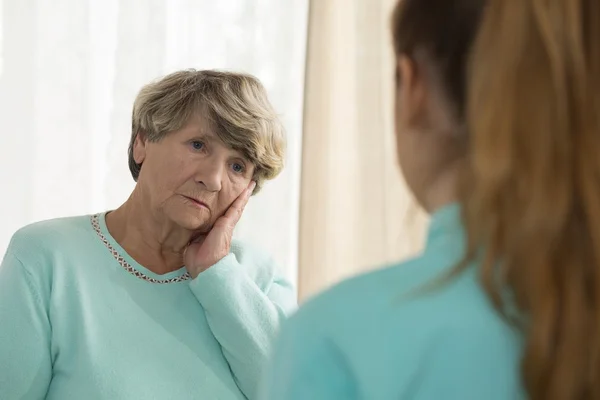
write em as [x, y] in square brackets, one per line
[235, 104]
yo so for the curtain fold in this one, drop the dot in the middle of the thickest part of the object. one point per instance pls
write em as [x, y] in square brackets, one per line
[355, 213]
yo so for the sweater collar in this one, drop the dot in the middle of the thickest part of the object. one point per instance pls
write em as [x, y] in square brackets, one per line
[446, 220]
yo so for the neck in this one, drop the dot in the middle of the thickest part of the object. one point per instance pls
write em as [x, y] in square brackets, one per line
[147, 236]
[442, 191]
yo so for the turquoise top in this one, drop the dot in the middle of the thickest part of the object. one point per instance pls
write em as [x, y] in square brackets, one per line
[372, 338]
[80, 319]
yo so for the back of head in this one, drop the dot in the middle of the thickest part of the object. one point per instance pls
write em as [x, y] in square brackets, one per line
[525, 77]
[443, 30]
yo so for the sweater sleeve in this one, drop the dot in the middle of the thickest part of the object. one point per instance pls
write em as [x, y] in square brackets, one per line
[25, 366]
[243, 317]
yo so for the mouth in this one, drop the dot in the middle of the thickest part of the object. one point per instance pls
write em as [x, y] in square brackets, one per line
[197, 203]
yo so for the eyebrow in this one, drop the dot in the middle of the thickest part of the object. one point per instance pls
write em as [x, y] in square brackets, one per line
[206, 136]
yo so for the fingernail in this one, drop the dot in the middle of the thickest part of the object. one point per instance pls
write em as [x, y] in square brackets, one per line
[252, 186]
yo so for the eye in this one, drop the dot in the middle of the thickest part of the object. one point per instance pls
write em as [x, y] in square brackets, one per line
[197, 144]
[238, 168]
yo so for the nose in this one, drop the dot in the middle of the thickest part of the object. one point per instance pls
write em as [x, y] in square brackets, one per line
[210, 175]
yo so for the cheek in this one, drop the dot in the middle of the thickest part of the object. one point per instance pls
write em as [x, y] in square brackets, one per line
[407, 138]
[403, 151]
[173, 172]
[399, 125]
[407, 164]
[407, 151]
[400, 116]
[230, 191]
[401, 132]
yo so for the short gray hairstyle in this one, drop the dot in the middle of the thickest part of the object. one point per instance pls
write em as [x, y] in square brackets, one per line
[235, 103]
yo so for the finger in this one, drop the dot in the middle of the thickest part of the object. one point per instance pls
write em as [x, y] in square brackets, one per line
[197, 236]
[234, 212]
[195, 242]
[198, 239]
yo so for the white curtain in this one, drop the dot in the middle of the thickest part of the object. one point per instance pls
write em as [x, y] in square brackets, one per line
[356, 211]
[69, 72]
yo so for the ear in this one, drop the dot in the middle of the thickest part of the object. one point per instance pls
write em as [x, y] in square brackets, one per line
[411, 90]
[139, 147]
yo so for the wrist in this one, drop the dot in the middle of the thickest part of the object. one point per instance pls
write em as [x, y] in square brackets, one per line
[201, 267]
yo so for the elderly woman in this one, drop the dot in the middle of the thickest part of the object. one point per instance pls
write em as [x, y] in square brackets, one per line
[154, 300]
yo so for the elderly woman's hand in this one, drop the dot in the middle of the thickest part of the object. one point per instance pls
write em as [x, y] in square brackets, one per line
[208, 249]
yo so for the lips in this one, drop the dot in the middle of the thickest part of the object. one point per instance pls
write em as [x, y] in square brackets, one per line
[198, 203]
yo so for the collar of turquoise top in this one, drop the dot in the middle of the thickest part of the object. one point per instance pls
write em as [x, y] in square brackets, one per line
[446, 219]
[446, 223]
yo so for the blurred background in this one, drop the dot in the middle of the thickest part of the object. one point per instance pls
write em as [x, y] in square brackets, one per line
[70, 70]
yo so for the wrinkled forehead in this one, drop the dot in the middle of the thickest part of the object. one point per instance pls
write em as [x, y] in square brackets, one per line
[203, 119]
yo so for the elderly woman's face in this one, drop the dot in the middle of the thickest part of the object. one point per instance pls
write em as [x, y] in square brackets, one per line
[191, 176]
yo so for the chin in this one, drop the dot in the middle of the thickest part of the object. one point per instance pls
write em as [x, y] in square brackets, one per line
[192, 222]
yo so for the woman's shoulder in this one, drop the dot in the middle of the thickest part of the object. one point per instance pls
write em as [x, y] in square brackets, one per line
[367, 295]
[39, 240]
[54, 229]
[398, 288]
[396, 311]
[390, 299]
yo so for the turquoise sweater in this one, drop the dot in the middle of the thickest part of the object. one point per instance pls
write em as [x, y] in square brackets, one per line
[80, 319]
[369, 338]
